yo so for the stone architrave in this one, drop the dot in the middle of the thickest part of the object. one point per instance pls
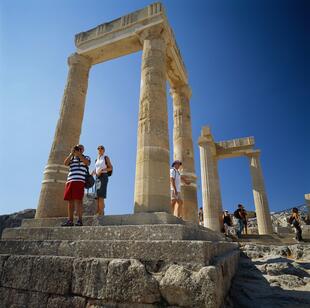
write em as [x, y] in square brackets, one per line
[152, 165]
[209, 183]
[183, 148]
[260, 198]
[68, 130]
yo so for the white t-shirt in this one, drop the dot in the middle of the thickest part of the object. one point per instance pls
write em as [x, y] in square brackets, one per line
[174, 173]
[100, 164]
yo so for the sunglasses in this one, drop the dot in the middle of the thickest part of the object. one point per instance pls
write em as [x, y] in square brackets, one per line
[99, 148]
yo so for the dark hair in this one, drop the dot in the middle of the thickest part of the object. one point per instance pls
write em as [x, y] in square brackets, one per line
[295, 210]
[240, 205]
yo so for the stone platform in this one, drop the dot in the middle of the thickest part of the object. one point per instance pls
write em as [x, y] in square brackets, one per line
[140, 260]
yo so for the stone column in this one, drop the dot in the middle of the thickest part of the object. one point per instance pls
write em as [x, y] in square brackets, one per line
[152, 188]
[208, 180]
[68, 130]
[218, 196]
[259, 193]
[183, 148]
[307, 198]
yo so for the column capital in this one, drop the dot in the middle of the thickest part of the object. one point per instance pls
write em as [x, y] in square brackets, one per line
[155, 32]
[181, 90]
[76, 59]
[255, 153]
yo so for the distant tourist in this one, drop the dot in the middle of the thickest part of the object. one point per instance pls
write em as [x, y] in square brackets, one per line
[295, 221]
[175, 187]
[103, 170]
[238, 216]
[244, 215]
[200, 216]
[227, 222]
[74, 190]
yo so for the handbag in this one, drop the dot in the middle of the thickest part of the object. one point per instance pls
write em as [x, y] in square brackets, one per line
[89, 179]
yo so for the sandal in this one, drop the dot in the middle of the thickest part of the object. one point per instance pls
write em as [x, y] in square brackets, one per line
[68, 223]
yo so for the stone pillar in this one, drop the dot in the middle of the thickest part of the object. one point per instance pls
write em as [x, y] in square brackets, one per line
[307, 198]
[259, 193]
[218, 195]
[68, 130]
[152, 187]
[208, 180]
[183, 149]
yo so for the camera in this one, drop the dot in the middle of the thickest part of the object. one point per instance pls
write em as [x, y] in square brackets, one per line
[76, 148]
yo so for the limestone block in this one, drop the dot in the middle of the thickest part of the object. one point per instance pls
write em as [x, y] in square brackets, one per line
[102, 304]
[129, 282]
[66, 302]
[43, 273]
[89, 277]
[184, 288]
[13, 298]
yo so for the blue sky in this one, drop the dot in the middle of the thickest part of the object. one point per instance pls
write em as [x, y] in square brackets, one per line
[247, 68]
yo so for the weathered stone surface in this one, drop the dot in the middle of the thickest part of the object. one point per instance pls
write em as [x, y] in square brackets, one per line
[271, 279]
[102, 304]
[15, 219]
[66, 302]
[128, 282]
[199, 252]
[11, 298]
[137, 232]
[45, 274]
[185, 288]
[89, 277]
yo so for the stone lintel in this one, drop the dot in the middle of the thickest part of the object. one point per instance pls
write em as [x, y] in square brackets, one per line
[234, 147]
[121, 37]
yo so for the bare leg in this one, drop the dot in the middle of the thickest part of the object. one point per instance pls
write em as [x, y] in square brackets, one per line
[79, 208]
[100, 206]
[173, 202]
[70, 210]
[178, 208]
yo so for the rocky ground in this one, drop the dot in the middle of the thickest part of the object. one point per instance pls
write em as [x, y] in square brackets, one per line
[272, 276]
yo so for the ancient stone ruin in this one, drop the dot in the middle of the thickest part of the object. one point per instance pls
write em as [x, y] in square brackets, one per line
[146, 259]
[210, 153]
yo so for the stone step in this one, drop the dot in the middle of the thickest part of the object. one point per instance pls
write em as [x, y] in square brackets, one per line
[111, 220]
[129, 232]
[198, 252]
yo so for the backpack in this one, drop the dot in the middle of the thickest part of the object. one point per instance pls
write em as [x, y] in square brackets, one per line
[109, 172]
[237, 214]
[89, 179]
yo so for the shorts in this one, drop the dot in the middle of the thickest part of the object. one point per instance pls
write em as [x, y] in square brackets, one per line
[74, 191]
[175, 196]
[101, 185]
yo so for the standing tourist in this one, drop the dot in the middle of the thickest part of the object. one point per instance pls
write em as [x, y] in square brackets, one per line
[103, 170]
[175, 188]
[295, 221]
[200, 216]
[227, 222]
[74, 190]
[244, 215]
[238, 216]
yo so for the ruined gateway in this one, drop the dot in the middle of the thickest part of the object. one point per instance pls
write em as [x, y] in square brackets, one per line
[149, 258]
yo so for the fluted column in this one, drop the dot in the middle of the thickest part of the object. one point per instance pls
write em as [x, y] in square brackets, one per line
[218, 196]
[208, 180]
[68, 130]
[259, 193]
[307, 198]
[152, 188]
[183, 148]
